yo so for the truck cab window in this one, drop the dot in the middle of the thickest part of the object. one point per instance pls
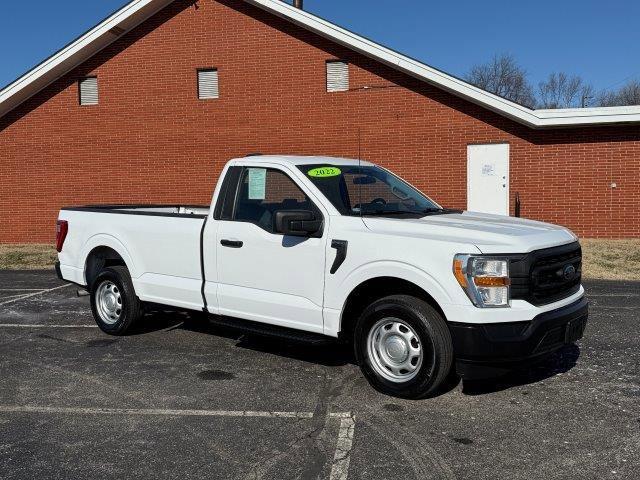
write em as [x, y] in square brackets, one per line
[263, 191]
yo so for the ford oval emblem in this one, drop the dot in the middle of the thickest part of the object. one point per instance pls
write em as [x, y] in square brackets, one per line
[569, 272]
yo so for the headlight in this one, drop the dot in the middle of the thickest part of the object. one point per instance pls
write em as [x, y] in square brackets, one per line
[485, 280]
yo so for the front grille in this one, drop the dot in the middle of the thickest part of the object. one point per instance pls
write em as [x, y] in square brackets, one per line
[548, 275]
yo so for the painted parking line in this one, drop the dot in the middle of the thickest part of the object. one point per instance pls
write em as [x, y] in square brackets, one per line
[344, 444]
[11, 297]
[34, 294]
[605, 295]
[342, 457]
[20, 289]
[611, 307]
[150, 411]
[41, 325]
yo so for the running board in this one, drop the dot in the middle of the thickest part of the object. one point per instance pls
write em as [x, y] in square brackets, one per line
[272, 331]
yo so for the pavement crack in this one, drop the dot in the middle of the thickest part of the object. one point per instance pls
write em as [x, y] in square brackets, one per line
[316, 439]
[414, 448]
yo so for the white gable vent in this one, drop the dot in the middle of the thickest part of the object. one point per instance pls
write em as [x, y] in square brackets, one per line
[208, 84]
[88, 91]
[337, 76]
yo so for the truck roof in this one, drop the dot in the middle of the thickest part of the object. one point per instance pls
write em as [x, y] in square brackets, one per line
[301, 160]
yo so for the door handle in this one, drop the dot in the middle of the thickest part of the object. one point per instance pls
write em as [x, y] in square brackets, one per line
[231, 243]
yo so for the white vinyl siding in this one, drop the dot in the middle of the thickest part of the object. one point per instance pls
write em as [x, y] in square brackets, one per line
[88, 91]
[337, 76]
[208, 84]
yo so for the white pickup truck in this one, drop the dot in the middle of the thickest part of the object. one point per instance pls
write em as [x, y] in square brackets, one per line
[319, 247]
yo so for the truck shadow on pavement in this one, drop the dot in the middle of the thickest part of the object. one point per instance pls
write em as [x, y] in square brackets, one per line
[336, 354]
[560, 362]
[330, 353]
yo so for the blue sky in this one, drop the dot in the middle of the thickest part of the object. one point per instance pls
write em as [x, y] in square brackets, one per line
[596, 39]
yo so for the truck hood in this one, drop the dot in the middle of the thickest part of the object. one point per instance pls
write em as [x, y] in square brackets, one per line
[489, 233]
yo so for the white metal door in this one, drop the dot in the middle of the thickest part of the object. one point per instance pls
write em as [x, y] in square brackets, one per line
[264, 276]
[488, 178]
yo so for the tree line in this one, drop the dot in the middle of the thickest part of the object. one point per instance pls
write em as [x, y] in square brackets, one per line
[503, 76]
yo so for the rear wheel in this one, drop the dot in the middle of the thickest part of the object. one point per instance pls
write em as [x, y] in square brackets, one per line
[403, 346]
[114, 303]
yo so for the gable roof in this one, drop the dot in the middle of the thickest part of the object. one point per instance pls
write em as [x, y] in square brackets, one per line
[78, 51]
[137, 11]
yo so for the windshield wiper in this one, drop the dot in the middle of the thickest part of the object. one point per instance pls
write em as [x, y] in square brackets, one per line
[389, 212]
[426, 211]
[439, 211]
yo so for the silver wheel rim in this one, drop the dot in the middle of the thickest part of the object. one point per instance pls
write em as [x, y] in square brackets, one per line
[395, 350]
[109, 302]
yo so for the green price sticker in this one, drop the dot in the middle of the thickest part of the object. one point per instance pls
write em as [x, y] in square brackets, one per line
[324, 172]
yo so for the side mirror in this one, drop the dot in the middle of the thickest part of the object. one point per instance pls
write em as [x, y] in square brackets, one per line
[297, 223]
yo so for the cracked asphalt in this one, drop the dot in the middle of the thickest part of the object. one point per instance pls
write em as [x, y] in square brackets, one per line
[183, 399]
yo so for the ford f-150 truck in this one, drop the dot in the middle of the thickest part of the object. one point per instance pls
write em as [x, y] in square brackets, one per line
[321, 247]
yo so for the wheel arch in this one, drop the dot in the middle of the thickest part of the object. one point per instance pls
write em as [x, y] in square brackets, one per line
[374, 288]
[104, 251]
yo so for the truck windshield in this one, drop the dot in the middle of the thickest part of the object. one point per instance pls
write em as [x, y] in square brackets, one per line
[369, 191]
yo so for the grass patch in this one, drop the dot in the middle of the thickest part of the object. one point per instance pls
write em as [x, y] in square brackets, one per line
[602, 259]
[27, 257]
[611, 259]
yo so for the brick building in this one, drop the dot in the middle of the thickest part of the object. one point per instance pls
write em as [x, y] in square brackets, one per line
[149, 105]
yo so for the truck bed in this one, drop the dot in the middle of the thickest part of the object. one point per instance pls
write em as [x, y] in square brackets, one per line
[160, 244]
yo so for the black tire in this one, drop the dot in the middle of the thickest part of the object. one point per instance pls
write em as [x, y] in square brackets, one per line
[130, 307]
[432, 334]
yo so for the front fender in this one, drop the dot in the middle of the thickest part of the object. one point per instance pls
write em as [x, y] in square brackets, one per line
[337, 296]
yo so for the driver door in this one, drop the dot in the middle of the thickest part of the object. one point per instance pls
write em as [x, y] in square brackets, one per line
[265, 276]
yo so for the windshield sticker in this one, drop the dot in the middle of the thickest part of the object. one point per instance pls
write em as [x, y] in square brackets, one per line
[324, 172]
[257, 183]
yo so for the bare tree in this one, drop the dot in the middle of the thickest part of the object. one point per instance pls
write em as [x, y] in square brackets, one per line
[503, 76]
[506, 78]
[628, 94]
[560, 90]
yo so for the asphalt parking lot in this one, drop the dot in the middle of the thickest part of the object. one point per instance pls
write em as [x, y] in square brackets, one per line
[182, 399]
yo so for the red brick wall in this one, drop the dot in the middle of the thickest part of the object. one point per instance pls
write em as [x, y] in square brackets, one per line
[161, 144]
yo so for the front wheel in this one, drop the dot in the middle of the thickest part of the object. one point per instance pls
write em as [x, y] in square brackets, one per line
[403, 346]
[114, 303]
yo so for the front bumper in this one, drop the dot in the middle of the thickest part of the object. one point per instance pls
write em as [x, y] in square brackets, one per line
[489, 350]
